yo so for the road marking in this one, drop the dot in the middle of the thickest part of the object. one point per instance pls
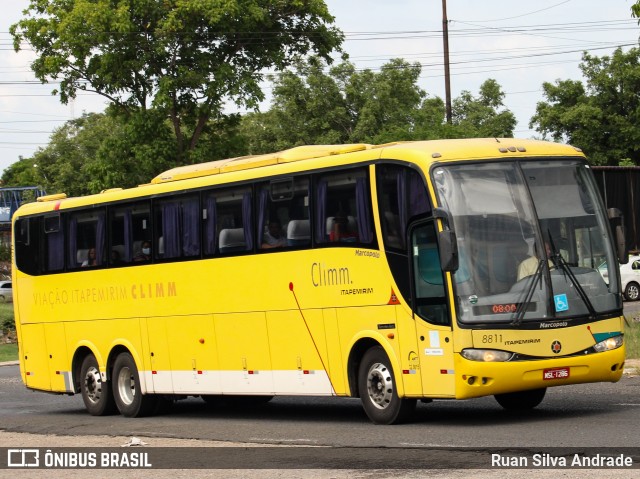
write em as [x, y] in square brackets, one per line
[418, 444]
[272, 439]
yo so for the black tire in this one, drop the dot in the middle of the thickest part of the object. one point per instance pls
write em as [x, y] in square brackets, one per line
[96, 393]
[521, 400]
[126, 389]
[632, 291]
[378, 391]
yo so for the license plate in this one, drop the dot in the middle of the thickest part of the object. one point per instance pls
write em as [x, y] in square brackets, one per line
[555, 373]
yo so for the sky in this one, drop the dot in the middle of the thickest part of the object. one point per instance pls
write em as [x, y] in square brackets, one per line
[519, 44]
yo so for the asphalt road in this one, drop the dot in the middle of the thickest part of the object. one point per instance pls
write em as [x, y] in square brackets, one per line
[589, 415]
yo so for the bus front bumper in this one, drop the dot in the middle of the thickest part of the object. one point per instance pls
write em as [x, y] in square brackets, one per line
[476, 379]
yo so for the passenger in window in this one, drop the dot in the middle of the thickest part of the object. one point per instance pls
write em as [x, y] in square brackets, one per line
[145, 252]
[341, 230]
[91, 258]
[273, 238]
[115, 258]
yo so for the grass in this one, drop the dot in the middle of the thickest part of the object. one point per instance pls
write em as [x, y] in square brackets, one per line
[632, 338]
[6, 316]
[8, 352]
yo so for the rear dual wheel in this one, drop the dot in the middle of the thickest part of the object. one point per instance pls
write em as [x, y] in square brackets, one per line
[96, 393]
[126, 389]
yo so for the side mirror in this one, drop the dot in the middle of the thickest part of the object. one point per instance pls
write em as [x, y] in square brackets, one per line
[447, 241]
[616, 220]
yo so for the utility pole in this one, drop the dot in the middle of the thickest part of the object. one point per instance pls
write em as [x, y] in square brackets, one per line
[447, 75]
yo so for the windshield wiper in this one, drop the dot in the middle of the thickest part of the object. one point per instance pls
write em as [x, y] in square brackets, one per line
[522, 305]
[559, 261]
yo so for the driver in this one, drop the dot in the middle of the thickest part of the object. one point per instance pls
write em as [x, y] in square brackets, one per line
[530, 265]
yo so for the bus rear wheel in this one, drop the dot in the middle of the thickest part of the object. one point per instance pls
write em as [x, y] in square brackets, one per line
[96, 393]
[378, 392]
[521, 400]
[126, 389]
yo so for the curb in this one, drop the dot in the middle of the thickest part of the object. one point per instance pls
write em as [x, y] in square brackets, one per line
[10, 363]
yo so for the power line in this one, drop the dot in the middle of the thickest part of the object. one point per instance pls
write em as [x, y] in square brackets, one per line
[525, 14]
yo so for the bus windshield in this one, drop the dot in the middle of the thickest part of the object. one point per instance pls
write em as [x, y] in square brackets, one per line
[532, 240]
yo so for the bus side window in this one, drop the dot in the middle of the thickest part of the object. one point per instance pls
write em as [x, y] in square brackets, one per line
[233, 220]
[130, 230]
[177, 227]
[283, 214]
[54, 243]
[401, 195]
[343, 208]
[86, 235]
[27, 244]
[209, 218]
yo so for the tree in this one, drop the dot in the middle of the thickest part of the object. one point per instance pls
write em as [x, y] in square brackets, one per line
[101, 151]
[480, 116]
[389, 102]
[183, 59]
[21, 173]
[315, 105]
[64, 164]
[601, 117]
[136, 149]
[308, 107]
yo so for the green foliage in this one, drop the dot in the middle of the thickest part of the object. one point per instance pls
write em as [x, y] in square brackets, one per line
[182, 59]
[138, 147]
[480, 116]
[66, 163]
[22, 173]
[7, 322]
[8, 352]
[313, 105]
[5, 253]
[602, 116]
[632, 338]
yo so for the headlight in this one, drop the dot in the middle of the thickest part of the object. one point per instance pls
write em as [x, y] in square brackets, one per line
[609, 343]
[486, 355]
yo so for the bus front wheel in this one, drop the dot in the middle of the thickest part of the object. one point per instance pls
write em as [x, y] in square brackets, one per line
[378, 391]
[126, 389]
[96, 393]
[521, 400]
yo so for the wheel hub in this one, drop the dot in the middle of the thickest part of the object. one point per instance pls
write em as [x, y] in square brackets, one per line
[126, 386]
[380, 385]
[93, 384]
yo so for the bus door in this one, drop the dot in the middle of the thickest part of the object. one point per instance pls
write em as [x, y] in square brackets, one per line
[431, 312]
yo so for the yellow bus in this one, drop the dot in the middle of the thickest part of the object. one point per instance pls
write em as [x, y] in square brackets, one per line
[394, 273]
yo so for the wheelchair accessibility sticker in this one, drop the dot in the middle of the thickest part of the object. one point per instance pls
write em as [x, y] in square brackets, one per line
[561, 302]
